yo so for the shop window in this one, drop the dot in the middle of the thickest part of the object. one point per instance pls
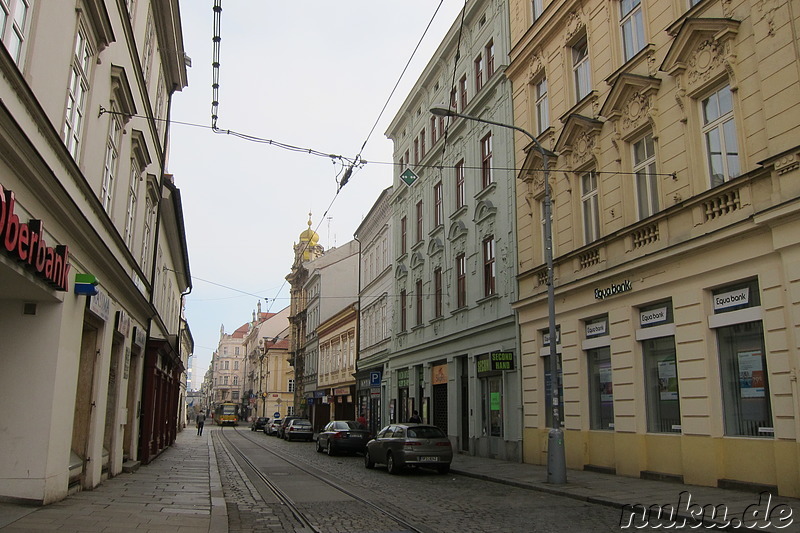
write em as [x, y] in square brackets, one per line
[601, 387]
[657, 335]
[743, 363]
[492, 404]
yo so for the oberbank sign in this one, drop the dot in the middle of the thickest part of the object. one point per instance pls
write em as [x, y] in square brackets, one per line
[25, 243]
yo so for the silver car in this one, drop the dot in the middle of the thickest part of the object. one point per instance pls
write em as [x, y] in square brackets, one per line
[298, 429]
[401, 445]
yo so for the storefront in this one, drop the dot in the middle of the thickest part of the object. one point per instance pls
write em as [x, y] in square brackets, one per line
[681, 375]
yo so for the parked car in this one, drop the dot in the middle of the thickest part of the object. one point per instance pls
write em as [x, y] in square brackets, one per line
[401, 445]
[258, 424]
[272, 427]
[299, 429]
[285, 423]
[343, 436]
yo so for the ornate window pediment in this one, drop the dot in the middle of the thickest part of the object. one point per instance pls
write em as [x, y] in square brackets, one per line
[139, 149]
[121, 92]
[578, 140]
[484, 210]
[703, 50]
[400, 271]
[435, 246]
[416, 260]
[631, 104]
[457, 229]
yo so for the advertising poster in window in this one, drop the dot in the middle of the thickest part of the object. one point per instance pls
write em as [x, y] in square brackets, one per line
[751, 374]
[606, 387]
[667, 380]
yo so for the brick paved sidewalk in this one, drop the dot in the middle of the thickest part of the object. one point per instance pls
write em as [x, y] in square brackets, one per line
[178, 492]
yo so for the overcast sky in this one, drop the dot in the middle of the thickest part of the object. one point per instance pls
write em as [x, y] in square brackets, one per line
[312, 74]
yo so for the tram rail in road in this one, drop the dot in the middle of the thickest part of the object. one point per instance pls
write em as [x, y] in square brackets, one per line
[287, 489]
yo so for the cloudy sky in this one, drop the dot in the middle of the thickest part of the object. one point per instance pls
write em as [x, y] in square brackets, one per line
[313, 74]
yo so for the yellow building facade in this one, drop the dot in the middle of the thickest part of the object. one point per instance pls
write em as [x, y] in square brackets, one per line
[675, 179]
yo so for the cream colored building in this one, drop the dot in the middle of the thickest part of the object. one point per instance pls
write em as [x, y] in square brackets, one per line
[269, 376]
[89, 378]
[676, 193]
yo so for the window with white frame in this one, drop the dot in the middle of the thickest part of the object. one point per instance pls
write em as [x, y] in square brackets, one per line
[744, 372]
[479, 73]
[537, 8]
[581, 69]
[591, 209]
[291, 385]
[438, 209]
[149, 46]
[461, 281]
[486, 161]
[632, 27]
[719, 131]
[489, 272]
[644, 166]
[133, 193]
[13, 26]
[461, 198]
[542, 111]
[489, 52]
[76, 92]
[110, 164]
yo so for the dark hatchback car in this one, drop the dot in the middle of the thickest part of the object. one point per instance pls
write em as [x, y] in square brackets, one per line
[343, 436]
[299, 429]
[259, 423]
[401, 445]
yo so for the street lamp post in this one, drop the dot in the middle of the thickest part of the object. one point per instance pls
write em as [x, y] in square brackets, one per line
[556, 459]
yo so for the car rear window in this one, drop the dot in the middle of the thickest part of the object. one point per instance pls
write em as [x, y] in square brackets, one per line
[427, 432]
[352, 425]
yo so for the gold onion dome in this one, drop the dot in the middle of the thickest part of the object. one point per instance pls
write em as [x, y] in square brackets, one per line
[310, 236]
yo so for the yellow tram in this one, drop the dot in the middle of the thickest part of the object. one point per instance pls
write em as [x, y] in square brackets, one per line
[227, 413]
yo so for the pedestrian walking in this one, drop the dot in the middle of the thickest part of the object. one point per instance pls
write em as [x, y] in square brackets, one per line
[201, 421]
[415, 419]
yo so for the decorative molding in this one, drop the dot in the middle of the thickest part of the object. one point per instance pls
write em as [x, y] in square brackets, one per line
[578, 140]
[702, 51]
[457, 229]
[485, 209]
[631, 103]
[574, 25]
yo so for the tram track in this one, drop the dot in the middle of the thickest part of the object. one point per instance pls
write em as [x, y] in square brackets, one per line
[298, 514]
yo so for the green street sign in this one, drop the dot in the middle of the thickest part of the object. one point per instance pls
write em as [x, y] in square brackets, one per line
[409, 177]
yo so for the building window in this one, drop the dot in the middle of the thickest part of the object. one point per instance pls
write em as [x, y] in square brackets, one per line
[462, 91]
[235, 380]
[419, 302]
[422, 143]
[290, 410]
[479, 73]
[461, 198]
[437, 291]
[632, 27]
[224, 380]
[133, 189]
[227, 364]
[438, 213]
[236, 363]
[489, 274]
[110, 165]
[291, 385]
[591, 211]
[542, 110]
[403, 304]
[149, 217]
[489, 51]
[403, 233]
[407, 162]
[13, 34]
[419, 221]
[644, 165]
[601, 390]
[461, 281]
[454, 101]
[719, 130]
[486, 160]
[149, 45]
[537, 8]
[416, 151]
[660, 367]
[433, 130]
[76, 93]
[581, 69]
[743, 363]
[236, 352]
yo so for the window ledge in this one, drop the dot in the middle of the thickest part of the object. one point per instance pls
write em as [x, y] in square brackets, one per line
[489, 298]
[458, 212]
[486, 191]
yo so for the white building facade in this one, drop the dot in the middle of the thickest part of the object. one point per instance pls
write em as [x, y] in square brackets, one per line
[454, 245]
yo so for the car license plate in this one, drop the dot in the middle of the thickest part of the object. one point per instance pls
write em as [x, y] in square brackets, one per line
[427, 459]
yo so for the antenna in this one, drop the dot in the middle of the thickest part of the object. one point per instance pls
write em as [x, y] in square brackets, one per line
[329, 231]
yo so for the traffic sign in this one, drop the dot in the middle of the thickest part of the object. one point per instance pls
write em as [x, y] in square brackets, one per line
[276, 414]
[409, 177]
